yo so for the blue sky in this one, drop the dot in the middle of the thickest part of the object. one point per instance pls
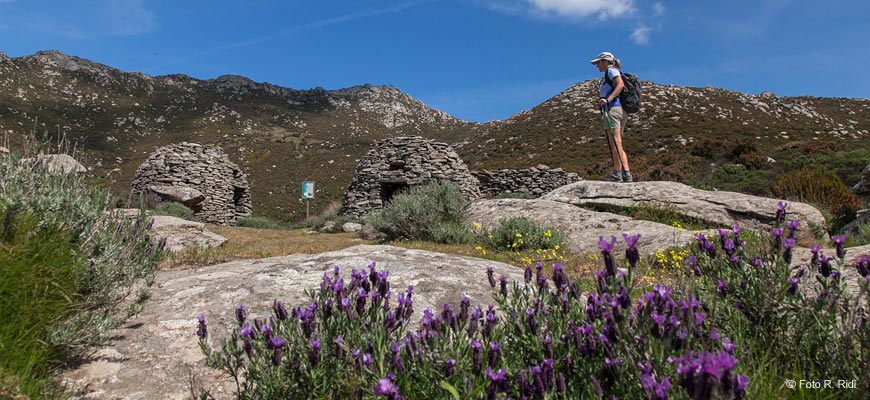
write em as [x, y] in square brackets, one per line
[475, 59]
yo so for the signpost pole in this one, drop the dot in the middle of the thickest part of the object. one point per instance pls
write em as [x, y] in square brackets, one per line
[307, 203]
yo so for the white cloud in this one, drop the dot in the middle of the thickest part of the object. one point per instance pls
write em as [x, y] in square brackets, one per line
[602, 9]
[658, 9]
[584, 8]
[640, 35]
[128, 17]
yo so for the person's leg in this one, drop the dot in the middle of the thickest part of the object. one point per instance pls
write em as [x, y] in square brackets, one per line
[608, 124]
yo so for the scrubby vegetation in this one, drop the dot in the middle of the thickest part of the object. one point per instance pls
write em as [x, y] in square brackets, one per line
[71, 270]
[417, 213]
[739, 319]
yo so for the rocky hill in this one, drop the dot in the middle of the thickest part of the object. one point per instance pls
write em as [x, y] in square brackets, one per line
[280, 136]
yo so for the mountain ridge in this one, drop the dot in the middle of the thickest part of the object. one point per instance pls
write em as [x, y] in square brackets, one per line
[282, 136]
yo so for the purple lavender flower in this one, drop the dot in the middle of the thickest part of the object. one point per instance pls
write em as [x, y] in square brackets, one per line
[494, 354]
[825, 266]
[559, 278]
[476, 357]
[548, 346]
[527, 275]
[786, 255]
[792, 228]
[498, 383]
[777, 238]
[241, 315]
[693, 262]
[202, 331]
[149, 249]
[710, 249]
[367, 360]
[780, 212]
[723, 288]
[503, 285]
[631, 253]
[607, 252]
[815, 250]
[863, 265]
[387, 389]
[361, 297]
[839, 241]
[276, 344]
[463, 308]
[449, 367]
[532, 321]
[489, 276]
[279, 309]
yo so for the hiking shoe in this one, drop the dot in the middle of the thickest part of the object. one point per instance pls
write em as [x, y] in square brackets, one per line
[626, 176]
[614, 176]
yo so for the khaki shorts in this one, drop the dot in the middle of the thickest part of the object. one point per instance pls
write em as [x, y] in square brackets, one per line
[618, 119]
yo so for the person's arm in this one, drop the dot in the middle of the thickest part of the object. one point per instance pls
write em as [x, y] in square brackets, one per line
[618, 86]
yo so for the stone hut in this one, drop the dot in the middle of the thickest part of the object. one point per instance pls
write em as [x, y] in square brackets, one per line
[399, 163]
[200, 176]
[533, 181]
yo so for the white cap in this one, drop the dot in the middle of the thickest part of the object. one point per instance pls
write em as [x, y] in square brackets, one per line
[604, 56]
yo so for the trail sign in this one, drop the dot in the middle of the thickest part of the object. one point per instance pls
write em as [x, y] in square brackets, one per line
[307, 190]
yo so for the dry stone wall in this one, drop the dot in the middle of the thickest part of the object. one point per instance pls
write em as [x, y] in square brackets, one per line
[399, 163]
[534, 181]
[226, 195]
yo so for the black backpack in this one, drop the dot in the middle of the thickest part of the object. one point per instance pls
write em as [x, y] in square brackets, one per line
[631, 95]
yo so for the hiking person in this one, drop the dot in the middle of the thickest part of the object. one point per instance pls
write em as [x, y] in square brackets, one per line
[614, 119]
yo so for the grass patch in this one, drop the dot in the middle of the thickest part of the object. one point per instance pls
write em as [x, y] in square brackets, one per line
[174, 209]
[260, 222]
[663, 214]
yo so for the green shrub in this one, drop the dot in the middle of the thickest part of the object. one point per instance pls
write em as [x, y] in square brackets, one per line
[521, 233]
[260, 222]
[819, 187]
[452, 232]
[861, 237]
[416, 213]
[174, 209]
[737, 178]
[113, 258]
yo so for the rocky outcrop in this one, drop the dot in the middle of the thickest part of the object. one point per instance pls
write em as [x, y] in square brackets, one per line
[156, 353]
[396, 164]
[533, 181]
[58, 163]
[717, 208]
[3, 56]
[862, 188]
[181, 233]
[581, 227]
[206, 169]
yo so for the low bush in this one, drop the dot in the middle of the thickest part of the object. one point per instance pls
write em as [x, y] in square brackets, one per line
[174, 209]
[521, 233]
[819, 187]
[544, 340]
[739, 305]
[259, 222]
[61, 239]
[416, 213]
[452, 232]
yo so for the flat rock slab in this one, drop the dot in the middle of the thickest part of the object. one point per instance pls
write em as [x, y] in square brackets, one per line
[156, 353]
[581, 227]
[716, 207]
[180, 194]
[181, 233]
